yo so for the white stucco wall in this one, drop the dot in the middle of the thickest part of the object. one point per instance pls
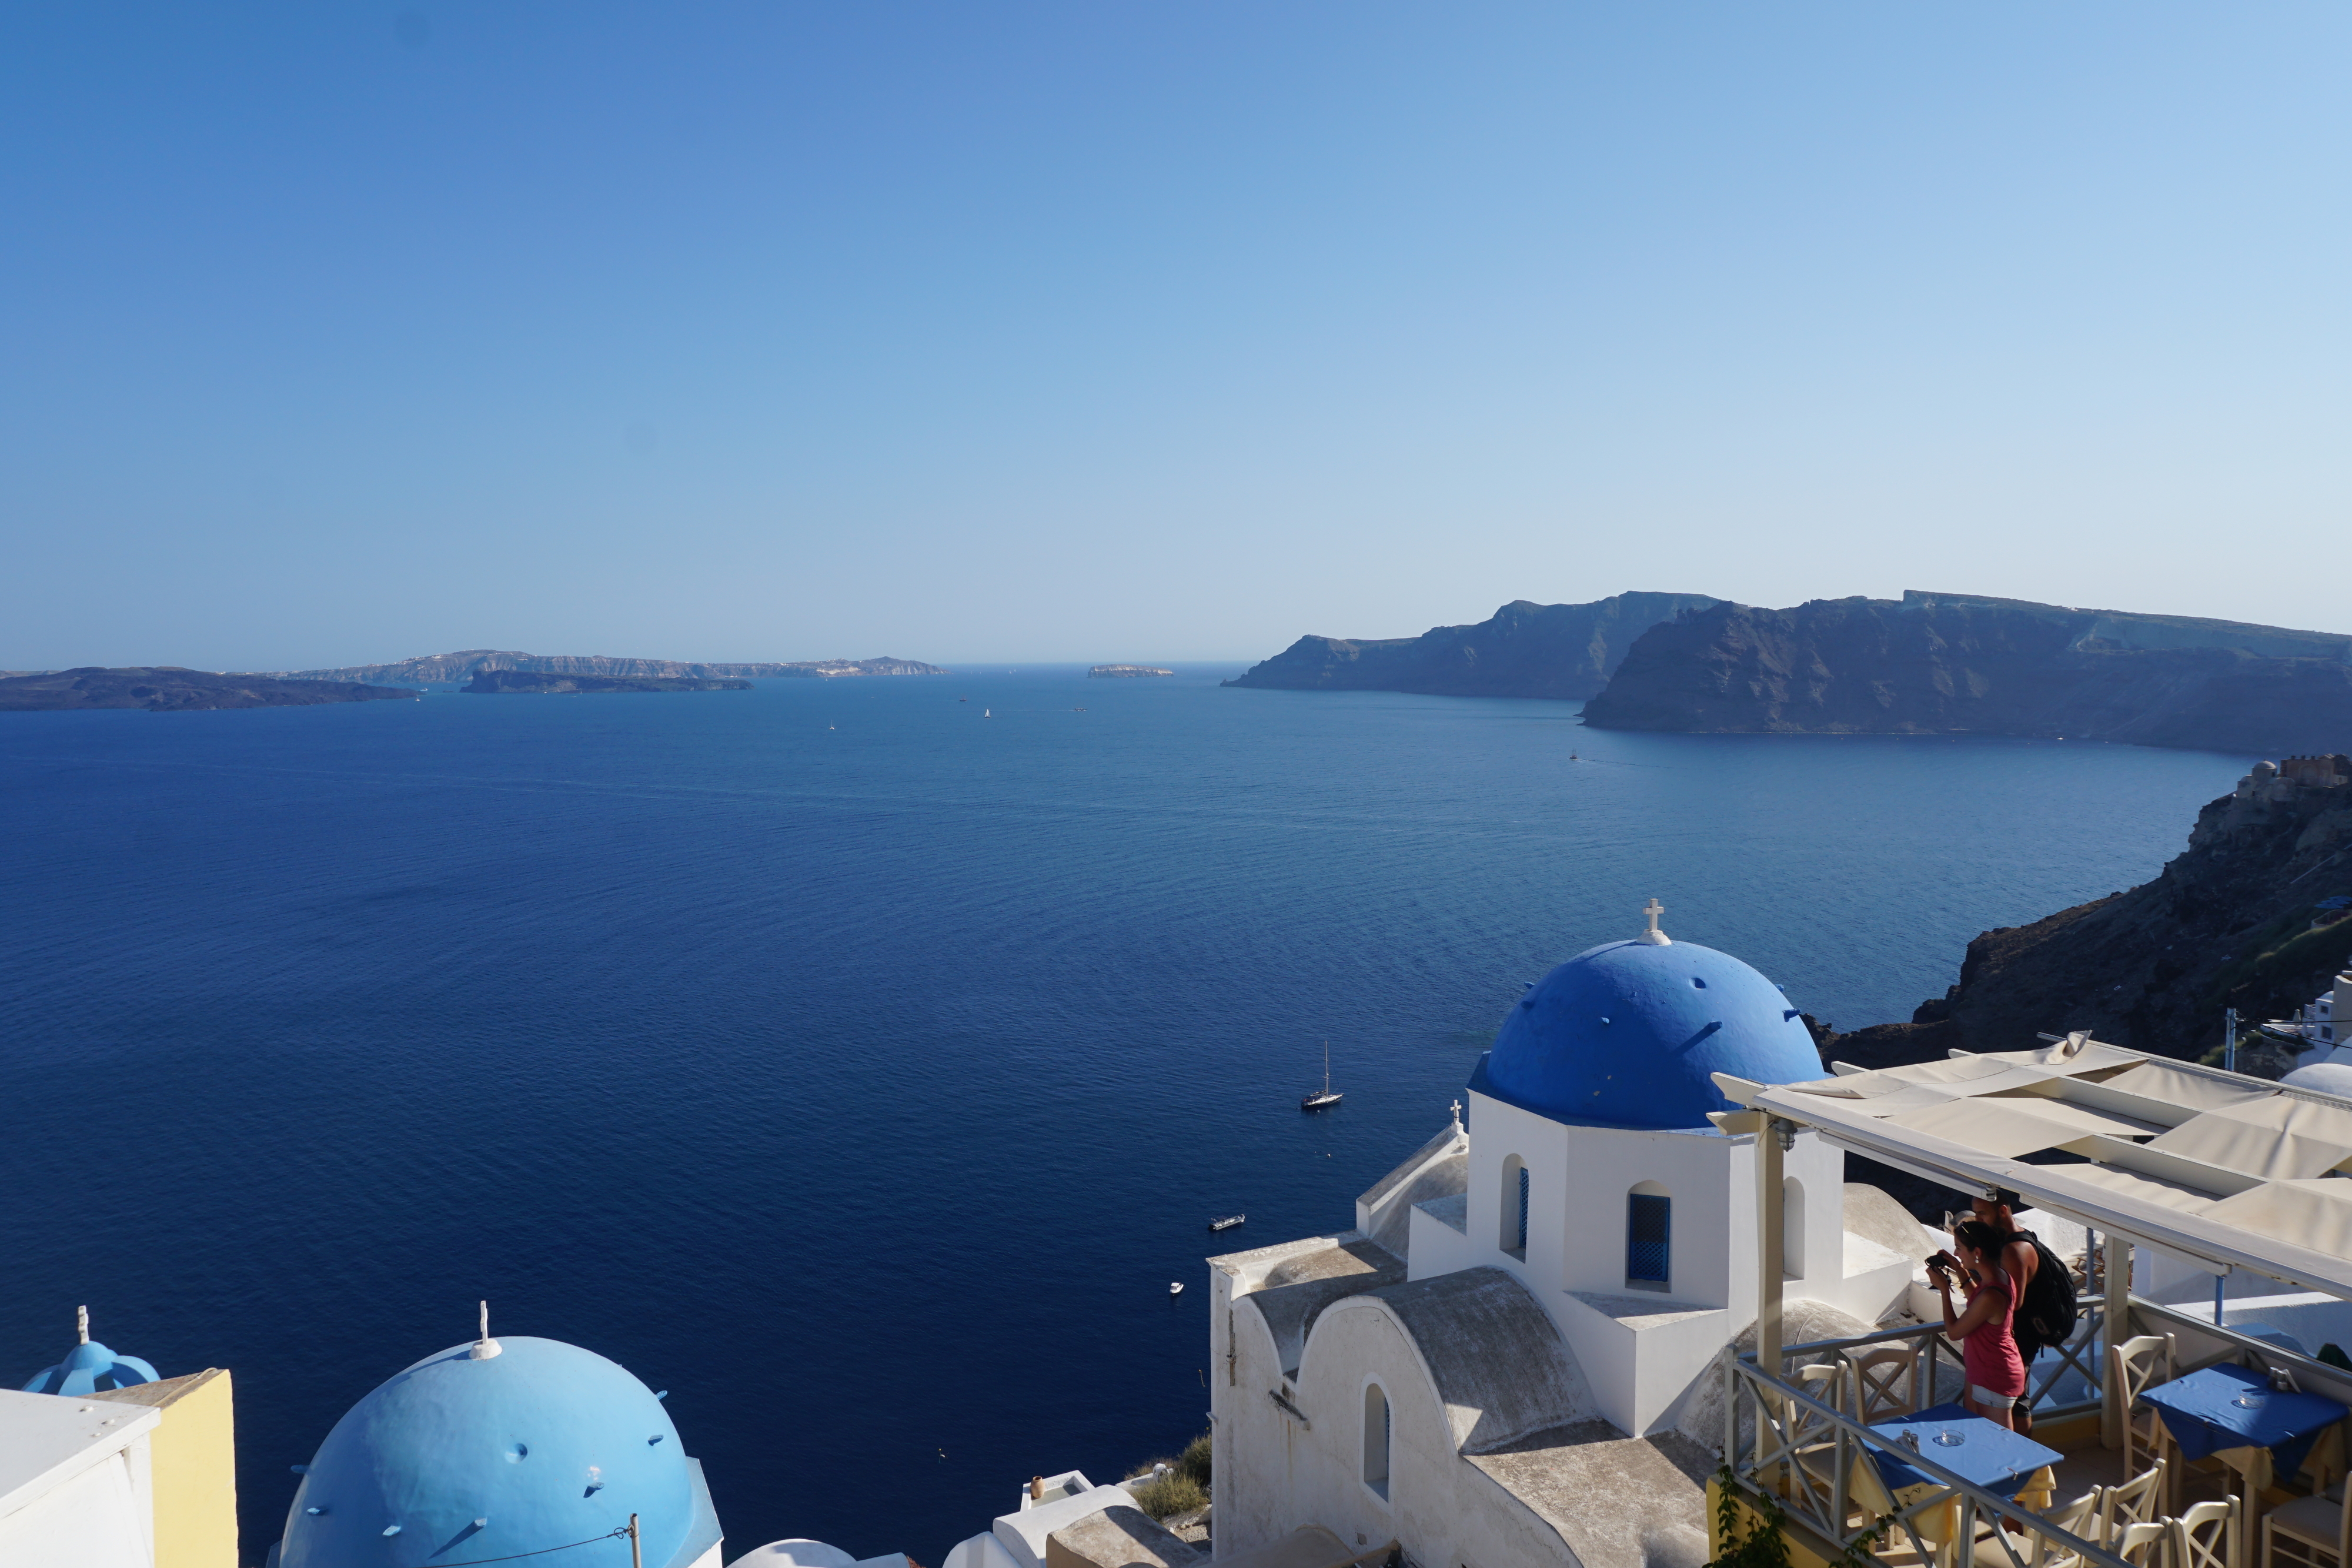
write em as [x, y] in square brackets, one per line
[1276, 1473]
[80, 1502]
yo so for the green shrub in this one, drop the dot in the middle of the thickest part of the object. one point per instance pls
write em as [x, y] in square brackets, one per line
[1195, 1461]
[1172, 1493]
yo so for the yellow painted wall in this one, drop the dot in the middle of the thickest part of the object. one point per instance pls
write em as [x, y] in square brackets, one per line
[192, 1457]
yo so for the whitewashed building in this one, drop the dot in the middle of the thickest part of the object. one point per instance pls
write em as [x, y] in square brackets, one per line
[1494, 1364]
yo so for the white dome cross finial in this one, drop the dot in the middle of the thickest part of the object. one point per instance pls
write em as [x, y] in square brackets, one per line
[82, 1323]
[485, 1347]
[1653, 936]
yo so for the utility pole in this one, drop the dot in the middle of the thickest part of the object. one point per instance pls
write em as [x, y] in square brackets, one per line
[636, 1550]
[2229, 1042]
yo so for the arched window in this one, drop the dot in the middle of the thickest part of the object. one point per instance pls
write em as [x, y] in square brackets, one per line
[1649, 1238]
[1792, 1229]
[1376, 1439]
[1513, 1203]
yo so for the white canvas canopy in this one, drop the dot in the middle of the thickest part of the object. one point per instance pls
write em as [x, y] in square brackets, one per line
[2234, 1173]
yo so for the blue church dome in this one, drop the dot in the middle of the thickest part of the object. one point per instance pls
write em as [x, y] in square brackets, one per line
[539, 1444]
[1626, 1034]
[90, 1367]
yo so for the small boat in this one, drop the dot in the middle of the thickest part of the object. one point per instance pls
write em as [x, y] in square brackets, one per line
[1175, 1287]
[1077, 710]
[1226, 1221]
[988, 713]
[1316, 1099]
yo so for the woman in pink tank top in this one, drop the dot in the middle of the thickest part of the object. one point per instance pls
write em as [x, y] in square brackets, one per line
[1995, 1372]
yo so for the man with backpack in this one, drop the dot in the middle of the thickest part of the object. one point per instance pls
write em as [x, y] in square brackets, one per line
[2045, 1316]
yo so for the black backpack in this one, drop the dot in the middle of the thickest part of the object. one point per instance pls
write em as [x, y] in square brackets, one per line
[2046, 1316]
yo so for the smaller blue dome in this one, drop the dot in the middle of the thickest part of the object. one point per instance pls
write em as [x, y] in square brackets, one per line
[90, 1367]
[1627, 1034]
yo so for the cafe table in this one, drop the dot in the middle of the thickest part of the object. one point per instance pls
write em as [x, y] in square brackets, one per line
[1980, 1452]
[2230, 1414]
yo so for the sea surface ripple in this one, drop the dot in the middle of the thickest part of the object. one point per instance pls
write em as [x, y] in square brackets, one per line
[859, 1063]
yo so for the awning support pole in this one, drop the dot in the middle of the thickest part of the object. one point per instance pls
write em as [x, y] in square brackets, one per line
[1770, 1234]
[2114, 1328]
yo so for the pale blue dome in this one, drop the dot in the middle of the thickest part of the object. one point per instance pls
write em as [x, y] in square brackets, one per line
[541, 1445]
[89, 1368]
[1627, 1033]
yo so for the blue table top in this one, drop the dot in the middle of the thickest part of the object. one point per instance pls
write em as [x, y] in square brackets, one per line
[2201, 1413]
[1991, 1456]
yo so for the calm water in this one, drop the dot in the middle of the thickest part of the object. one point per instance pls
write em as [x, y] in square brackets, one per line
[865, 1085]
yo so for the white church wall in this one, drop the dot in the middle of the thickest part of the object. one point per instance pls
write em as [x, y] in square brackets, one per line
[1440, 1508]
[1640, 1353]
[1441, 1242]
[1606, 1166]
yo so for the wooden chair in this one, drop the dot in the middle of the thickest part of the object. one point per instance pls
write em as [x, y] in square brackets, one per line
[2206, 1535]
[2145, 1545]
[2080, 1518]
[2136, 1366]
[2310, 1531]
[2139, 1501]
[1885, 1384]
[1811, 1438]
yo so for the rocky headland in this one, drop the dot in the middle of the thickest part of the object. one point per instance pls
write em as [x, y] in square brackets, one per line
[1523, 650]
[449, 669]
[545, 683]
[2234, 921]
[1936, 663]
[167, 688]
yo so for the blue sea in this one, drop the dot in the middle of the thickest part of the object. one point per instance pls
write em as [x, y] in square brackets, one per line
[859, 1063]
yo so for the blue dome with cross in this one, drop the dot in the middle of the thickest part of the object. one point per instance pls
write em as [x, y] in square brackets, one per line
[90, 1367]
[537, 1443]
[1627, 1034]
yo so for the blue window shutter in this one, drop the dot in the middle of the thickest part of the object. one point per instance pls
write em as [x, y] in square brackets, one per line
[1523, 1208]
[1649, 1236]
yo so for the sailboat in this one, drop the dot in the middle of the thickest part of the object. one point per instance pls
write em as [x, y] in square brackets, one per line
[1316, 1099]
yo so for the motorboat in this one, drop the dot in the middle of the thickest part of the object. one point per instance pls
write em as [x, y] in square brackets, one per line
[1226, 1221]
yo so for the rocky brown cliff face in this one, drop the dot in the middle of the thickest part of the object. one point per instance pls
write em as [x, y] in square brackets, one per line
[1523, 650]
[1935, 664]
[2226, 923]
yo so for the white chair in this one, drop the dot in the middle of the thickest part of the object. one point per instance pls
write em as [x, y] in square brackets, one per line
[1812, 1440]
[2136, 1366]
[2206, 1535]
[2144, 1545]
[2139, 1501]
[2310, 1531]
[2079, 1518]
[1884, 1384]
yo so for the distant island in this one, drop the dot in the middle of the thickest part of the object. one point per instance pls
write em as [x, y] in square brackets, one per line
[167, 688]
[1523, 650]
[1121, 672]
[543, 682]
[1951, 663]
[450, 669]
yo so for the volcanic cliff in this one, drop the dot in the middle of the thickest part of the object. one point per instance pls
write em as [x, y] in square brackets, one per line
[2234, 921]
[1951, 663]
[167, 688]
[1523, 650]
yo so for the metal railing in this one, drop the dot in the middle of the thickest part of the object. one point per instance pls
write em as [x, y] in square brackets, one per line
[2081, 1354]
[2249, 1351]
[1781, 1443]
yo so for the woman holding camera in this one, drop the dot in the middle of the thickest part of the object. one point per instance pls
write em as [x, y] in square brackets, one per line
[1995, 1371]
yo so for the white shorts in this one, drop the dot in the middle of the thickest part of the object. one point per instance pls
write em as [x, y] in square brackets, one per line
[1991, 1399]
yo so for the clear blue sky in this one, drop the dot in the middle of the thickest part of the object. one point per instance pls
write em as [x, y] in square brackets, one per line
[336, 333]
